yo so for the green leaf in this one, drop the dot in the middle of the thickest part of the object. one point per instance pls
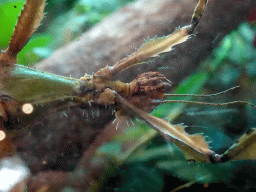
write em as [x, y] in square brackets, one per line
[30, 54]
[9, 12]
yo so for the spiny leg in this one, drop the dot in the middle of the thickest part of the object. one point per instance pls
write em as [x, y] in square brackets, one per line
[194, 147]
[148, 51]
[198, 13]
[152, 48]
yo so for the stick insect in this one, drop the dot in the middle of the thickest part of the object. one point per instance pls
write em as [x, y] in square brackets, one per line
[19, 102]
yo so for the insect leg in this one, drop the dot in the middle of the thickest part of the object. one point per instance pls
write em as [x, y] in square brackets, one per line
[194, 147]
[154, 47]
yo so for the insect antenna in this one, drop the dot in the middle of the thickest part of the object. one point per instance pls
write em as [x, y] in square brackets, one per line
[205, 103]
[201, 95]
[157, 102]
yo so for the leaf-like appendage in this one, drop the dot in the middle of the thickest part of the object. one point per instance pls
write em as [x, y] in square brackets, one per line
[194, 147]
[156, 46]
[148, 51]
[243, 149]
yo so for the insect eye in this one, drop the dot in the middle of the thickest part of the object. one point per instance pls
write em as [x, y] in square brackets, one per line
[27, 108]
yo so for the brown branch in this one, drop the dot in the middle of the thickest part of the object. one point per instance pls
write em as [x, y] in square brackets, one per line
[88, 172]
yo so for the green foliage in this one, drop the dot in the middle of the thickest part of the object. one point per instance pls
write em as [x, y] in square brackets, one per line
[138, 177]
[35, 50]
[102, 7]
[9, 11]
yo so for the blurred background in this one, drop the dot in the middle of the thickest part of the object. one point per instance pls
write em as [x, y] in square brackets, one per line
[157, 165]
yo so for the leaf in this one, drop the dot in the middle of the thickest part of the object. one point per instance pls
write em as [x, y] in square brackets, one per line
[8, 17]
[29, 54]
[139, 177]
